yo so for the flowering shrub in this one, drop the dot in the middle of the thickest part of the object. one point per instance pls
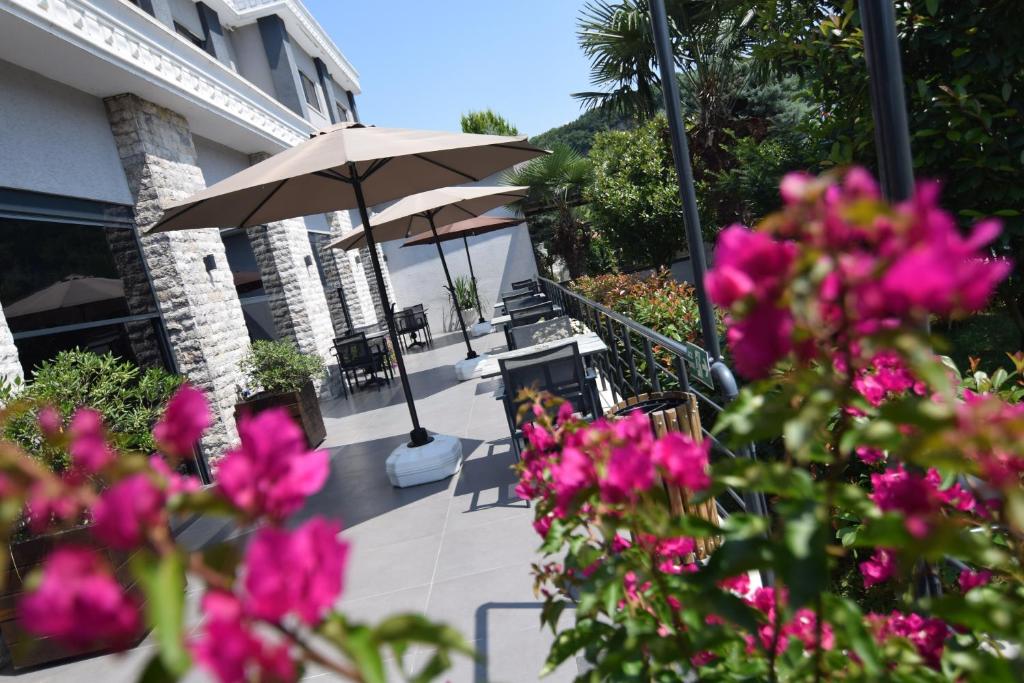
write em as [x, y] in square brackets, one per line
[889, 464]
[268, 612]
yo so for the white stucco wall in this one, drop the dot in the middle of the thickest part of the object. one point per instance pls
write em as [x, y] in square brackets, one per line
[56, 139]
[185, 13]
[218, 161]
[304, 62]
[499, 258]
[252, 58]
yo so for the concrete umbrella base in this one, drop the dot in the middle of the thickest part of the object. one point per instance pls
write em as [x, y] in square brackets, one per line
[469, 368]
[411, 465]
[480, 329]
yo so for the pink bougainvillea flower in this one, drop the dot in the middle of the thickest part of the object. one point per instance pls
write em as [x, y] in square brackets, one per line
[869, 455]
[79, 603]
[683, 461]
[175, 483]
[184, 420]
[272, 472]
[927, 635]
[630, 472]
[760, 340]
[229, 649]
[565, 413]
[969, 579]
[794, 186]
[538, 437]
[542, 525]
[879, 568]
[908, 493]
[47, 502]
[89, 449]
[803, 627]
[295, 572]
[739, 584]
[573, 472]
[748, 264]
[620, 543]
[126, 509]
[49, 420]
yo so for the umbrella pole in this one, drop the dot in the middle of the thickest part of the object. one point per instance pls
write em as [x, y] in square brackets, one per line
[472, 276]
[418, 436]
[470, 353]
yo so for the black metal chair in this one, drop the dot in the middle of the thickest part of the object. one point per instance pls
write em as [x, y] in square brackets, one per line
[527, 316]
[418, 308]
[355, 353]
[557, 370]
[540, 332]
[517, 301]
[529, 285]
[411, 322]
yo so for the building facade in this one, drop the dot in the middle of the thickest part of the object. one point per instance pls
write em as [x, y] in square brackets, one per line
[111, 109]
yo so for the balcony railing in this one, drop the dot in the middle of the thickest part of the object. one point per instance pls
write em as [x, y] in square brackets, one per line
[641, 360]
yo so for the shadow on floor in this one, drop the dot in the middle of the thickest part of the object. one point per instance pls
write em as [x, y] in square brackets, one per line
[358, 489]
[480, 628]
[424, 384]
[492, 472]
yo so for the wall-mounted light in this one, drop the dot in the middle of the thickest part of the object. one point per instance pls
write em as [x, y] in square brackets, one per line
[358, 260]
[309, 260]
[210, 262]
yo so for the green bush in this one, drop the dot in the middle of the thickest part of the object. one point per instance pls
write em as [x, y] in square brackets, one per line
[131, 400]
[278, 366]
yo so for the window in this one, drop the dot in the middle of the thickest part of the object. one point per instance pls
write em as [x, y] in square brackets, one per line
[183, 31]
[309, 90]
[68, 285]
[343, 114]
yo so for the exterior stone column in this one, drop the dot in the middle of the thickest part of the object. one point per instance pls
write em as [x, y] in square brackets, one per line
[201, 312]
[378, 307]
[10, 366]
[342, 272]
[296, 297]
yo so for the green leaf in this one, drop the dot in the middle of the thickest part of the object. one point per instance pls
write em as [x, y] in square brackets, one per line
[568, 643]
[932, 6]
[804, 567]
[419, 629]
[364, 650]
[163, 580]
[156, 672]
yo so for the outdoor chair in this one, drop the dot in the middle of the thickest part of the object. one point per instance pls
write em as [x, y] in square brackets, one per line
[517, 301]
[529, 285]
[355, 353]
[412, 322]
[540, 332]
[527, 316]
[558, 370]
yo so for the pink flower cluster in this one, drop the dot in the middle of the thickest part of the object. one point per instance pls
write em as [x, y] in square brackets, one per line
[230, 647]
[879, 568]
[620, 459]
[185, 419]
[920, 499]
[802, 625]
[872, 267]
[988, 430]
[927, 634]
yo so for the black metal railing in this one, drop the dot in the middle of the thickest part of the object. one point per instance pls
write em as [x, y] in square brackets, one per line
[641, 360]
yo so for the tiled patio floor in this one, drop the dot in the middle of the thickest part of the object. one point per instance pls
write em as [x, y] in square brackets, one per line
[458, 550]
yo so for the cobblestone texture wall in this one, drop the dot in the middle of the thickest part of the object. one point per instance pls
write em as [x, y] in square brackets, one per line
[10, 367]
[296, 296]
[378, 309]
[342, 269]
[201, 311]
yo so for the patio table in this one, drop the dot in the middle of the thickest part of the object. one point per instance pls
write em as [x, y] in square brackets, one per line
[507, 318]
[589, 344]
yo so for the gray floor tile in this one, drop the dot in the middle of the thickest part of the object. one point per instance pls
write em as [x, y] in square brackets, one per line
[392, 567]
[479, 548]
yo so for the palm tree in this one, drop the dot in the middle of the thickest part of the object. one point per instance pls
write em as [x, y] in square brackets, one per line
[616, 37]
[556, 183]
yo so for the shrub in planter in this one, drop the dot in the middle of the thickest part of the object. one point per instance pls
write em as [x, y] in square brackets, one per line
[268, 611]
[283, 377]
[889, 463]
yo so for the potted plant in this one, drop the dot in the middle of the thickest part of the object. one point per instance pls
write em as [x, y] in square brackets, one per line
[130, 401]
[464, 302]
[283, 377]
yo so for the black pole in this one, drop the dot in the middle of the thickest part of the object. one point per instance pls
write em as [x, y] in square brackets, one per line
[888, 104]
[681, 157]
[470, 353]
[472, 276]
[418, 436]
[344, 308]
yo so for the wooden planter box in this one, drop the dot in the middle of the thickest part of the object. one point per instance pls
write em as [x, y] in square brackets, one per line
[18, 646]
[303, 406]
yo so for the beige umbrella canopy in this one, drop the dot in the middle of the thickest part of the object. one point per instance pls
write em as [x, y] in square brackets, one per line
[344, 167]
[315, 176]
[411, 216]
[421, 213]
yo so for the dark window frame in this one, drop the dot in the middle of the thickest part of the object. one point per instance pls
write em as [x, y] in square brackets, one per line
[186, 33]
[309, 91]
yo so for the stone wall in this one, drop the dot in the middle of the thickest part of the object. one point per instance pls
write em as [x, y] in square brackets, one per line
[296, 296]
[10, 367]
[343, 269]
[200, 308]
[364, 254]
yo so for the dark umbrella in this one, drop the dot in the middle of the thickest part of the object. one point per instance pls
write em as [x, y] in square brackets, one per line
[350, 166]
[461, 230]
[421, 212]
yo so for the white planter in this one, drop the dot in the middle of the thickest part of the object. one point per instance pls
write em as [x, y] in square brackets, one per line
[408, 465]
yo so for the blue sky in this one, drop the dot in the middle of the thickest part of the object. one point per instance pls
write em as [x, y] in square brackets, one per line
[422, 63]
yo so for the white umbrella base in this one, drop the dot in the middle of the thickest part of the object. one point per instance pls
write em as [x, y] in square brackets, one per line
[412, 465]
[469, 368]
[480, 329]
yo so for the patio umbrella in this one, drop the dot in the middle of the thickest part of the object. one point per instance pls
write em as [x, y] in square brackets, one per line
[461, 230]
[421, 212]
[348, 166]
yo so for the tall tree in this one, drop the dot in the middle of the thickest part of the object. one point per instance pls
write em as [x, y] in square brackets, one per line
[556, 183]
[487, 122]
